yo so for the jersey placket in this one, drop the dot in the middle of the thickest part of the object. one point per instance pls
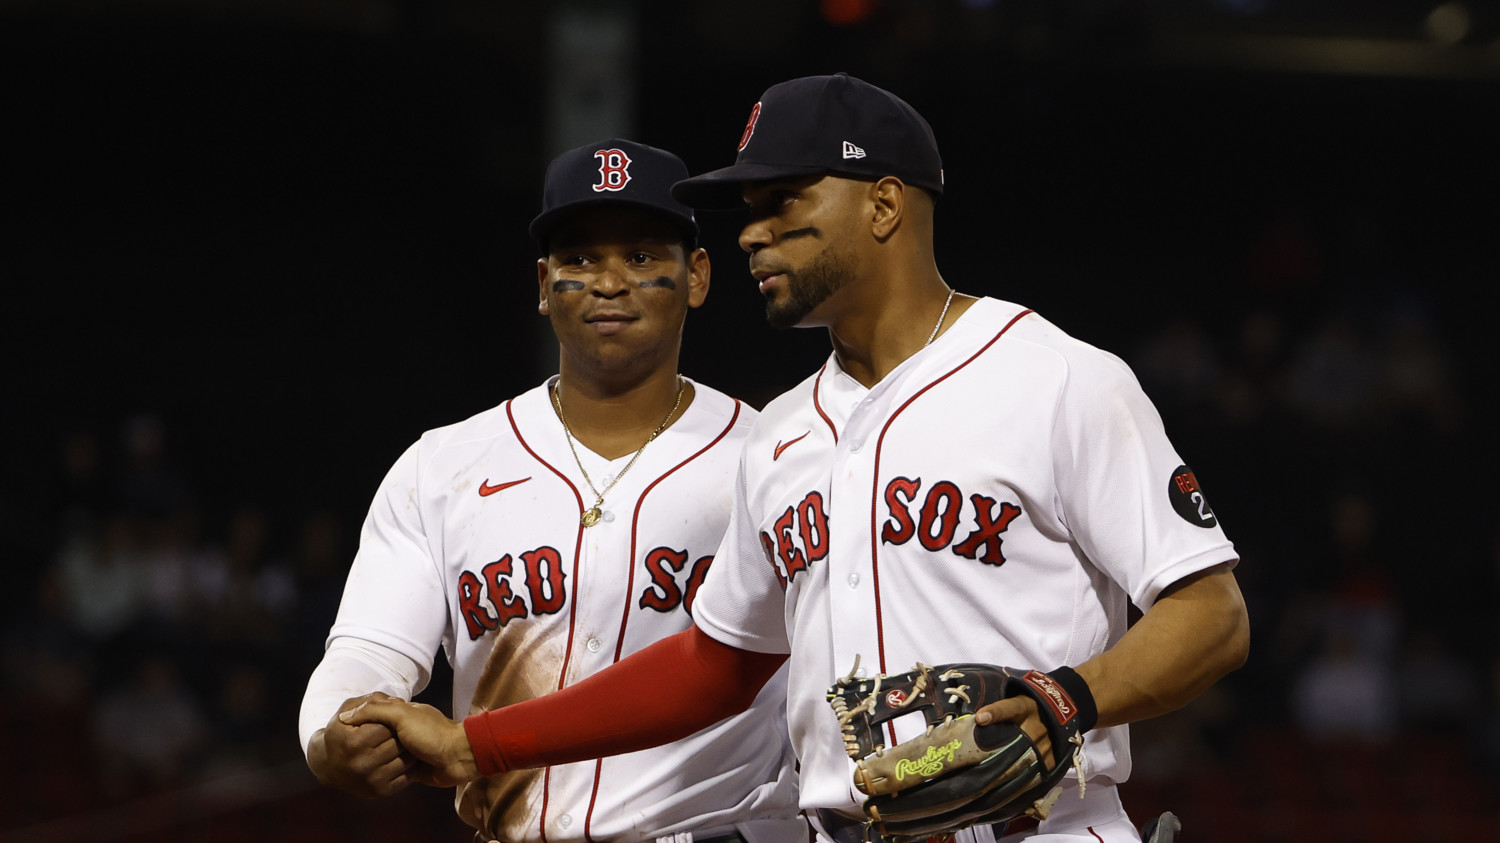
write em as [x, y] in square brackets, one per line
[599, 595]
[857, 503]
[851, 583]
[602, 572]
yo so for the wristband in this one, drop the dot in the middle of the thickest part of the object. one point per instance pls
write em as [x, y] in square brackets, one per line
[1082, 698]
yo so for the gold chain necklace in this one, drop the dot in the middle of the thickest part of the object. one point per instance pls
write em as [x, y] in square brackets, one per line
[591, 517]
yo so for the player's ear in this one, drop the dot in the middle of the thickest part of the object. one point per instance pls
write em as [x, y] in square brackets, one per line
[541, 284]
[698, 275]
[888, 201]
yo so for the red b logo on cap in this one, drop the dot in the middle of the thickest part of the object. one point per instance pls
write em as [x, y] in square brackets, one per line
[614, 170]
[749, 127]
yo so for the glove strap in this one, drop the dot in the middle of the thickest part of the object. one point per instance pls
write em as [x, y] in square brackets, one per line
[1083, 699]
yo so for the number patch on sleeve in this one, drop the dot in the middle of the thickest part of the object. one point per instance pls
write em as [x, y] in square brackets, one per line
[1188, 500]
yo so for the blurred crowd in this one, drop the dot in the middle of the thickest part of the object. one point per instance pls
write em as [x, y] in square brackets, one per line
[162, 639]
[1345, 439]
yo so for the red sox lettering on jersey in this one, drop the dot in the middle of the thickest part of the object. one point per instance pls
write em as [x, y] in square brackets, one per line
[801, 533]
[487, 600]
[937, 519]
[490, 599]
[663, 594]
[801, 538]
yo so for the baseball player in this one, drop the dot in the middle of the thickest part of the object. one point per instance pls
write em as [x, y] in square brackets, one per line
[960, 481]
[543, 540]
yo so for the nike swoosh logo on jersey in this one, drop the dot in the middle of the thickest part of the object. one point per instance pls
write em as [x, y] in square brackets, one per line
[485, 489]
[782, 446]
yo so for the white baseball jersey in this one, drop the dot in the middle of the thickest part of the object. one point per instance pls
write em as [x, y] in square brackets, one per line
[473, 543]
[996, 498]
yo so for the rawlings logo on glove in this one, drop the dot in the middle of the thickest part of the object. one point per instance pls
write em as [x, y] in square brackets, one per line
[957, 773]
[930, 764]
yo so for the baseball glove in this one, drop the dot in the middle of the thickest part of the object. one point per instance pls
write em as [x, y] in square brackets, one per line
[959, 774]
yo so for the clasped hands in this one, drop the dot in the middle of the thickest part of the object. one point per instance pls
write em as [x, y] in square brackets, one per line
[378, 744]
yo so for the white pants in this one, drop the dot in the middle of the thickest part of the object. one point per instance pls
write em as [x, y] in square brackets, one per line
[1096, 818]
[1114, 831]
[792, 830]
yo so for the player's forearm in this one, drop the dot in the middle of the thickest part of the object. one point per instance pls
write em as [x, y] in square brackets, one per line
[353, 668]
[1197, 632]
[663, 693]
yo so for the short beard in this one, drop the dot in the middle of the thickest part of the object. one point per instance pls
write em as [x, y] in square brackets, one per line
[808, 288]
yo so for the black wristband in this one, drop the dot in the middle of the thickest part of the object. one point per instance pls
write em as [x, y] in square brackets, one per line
[1083, 698]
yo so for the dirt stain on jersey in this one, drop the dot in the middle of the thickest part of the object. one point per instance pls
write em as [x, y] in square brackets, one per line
[522, 665]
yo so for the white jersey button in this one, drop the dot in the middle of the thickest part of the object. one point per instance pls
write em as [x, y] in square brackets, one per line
[608, 515]
[854, 580]
[855, 445]
[594, 645]
[565, 820]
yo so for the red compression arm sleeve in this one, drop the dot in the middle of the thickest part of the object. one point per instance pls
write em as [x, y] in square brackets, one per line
[673, 688]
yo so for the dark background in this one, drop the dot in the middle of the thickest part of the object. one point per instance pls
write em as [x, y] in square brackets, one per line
[286, 238]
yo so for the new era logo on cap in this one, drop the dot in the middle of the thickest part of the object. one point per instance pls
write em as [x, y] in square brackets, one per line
[852, 151]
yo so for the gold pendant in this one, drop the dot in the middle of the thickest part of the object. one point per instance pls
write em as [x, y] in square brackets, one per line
[590, 518]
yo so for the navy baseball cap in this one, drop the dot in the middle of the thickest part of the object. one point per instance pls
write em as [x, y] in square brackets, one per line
[613, 172]
[823, 124]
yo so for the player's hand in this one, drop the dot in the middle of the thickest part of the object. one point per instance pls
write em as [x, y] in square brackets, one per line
[365, 759]
[1022, 711]
[441, 744]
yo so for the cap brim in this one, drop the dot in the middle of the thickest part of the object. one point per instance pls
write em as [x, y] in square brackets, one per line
[720, 190]
[541, 227]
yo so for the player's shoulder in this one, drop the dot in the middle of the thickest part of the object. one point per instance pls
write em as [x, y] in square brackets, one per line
[734, 411]
[484, 426]
[439, 450]
[789, 408]
[1074, 360]
[715, 418]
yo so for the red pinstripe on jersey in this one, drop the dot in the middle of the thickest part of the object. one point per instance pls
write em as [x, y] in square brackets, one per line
[875, 496]
[817, 405]
[572, 604]
[630, 584]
